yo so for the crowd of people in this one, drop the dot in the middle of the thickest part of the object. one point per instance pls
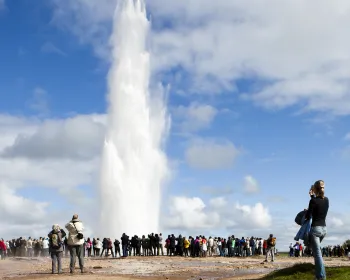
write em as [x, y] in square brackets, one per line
[74, 245]
[300, 250]
[150, 245]
[313, 230]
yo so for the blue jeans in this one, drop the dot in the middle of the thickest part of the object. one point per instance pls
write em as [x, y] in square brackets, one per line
[317, 235]
[125, 250]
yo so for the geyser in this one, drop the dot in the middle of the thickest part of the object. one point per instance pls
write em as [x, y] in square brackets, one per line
[133, 166]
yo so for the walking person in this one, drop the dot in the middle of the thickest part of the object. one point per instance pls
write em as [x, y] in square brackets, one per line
[56, 248]
[76, 242]
[318, 210]
[270, 247]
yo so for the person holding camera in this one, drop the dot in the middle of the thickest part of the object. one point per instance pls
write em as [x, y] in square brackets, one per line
[76, 242]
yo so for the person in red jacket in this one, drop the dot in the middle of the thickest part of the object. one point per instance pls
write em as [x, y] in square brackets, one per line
[3, 249]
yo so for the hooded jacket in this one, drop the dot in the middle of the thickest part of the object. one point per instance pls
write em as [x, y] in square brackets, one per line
[3, 245]
[74, 227]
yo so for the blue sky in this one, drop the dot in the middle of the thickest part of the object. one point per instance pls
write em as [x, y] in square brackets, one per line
[276, 105]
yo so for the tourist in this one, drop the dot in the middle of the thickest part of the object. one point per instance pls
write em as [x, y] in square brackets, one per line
[116, 248]
[88, 245]
[76, 243]
[270, 248]
[160, 246]
[3, 249]
[45, 247]
[318, 209]
[56, 248]
[125, 243]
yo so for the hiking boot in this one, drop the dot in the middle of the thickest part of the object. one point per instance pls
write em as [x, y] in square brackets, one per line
[71, 271]
[82, 270]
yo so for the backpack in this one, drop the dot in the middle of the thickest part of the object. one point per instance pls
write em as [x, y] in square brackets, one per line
[55, 240]
[273, 241]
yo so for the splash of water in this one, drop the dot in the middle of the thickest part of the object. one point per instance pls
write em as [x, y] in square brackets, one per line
[134, 165]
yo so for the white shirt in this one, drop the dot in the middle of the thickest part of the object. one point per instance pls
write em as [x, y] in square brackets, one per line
[45, 244]
[99, 244]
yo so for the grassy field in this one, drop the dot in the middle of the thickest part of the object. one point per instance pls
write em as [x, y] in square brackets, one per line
[306, 272]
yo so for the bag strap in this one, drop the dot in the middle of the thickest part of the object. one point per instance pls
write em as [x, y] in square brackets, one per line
[75, 227]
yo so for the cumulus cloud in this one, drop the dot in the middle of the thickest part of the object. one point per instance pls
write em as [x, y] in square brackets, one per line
[251, 185]
[210, 154]
[257, 214]
[191, 213]
[60, 154]
[20, 210]
[195, 117]
[79, 137]
[271, 47]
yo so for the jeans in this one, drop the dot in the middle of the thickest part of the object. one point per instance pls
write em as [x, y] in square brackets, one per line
[317, 235]
[57, 258]
[76, 251]
[30, 252]
[125, 250]
[2, 254]
[271, 251]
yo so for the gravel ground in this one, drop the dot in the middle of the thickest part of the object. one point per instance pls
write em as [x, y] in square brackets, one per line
[154, 268]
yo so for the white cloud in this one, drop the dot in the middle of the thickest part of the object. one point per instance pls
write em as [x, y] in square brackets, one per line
[61, 154]
[17, 209]
[188, 213]
[12, 126]
[79, 137]
[218, 202]
[251, 185]
[257, 215]
[49, 47]
[273, 46]
[334, 222]
[209, 154]
[89, 21]
[195, 117]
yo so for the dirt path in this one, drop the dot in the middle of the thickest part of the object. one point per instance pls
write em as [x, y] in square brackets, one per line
[154, 268]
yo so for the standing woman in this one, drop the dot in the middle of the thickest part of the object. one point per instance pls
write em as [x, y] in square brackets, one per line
[318, 209]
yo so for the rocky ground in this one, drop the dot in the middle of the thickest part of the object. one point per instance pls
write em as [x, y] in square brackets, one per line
[154, 268]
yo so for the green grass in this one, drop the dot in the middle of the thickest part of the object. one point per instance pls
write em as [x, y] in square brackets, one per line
[306, 272]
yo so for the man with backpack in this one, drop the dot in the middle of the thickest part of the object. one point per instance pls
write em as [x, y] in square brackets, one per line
[270, 249]
[76, 242]
[56, 236]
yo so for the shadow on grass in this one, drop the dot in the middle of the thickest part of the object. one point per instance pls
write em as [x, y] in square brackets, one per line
[306, 272]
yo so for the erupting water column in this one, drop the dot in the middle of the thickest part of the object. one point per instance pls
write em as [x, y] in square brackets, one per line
[134, 165]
